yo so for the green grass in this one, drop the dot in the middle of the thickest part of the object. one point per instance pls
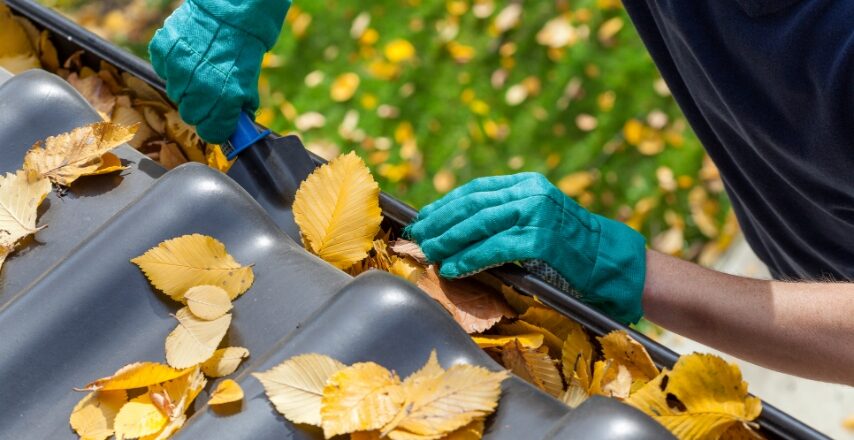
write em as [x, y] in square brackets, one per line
[462, 127]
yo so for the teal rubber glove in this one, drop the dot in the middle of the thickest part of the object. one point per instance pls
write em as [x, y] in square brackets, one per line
[524, 218]
[210, 52]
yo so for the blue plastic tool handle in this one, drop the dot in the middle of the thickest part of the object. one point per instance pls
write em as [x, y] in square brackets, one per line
[246, 135]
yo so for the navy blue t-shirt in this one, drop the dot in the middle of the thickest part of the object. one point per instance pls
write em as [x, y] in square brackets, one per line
[768, 86]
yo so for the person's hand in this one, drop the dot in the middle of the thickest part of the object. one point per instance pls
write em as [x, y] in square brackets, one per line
[523, 217]
[210, 52]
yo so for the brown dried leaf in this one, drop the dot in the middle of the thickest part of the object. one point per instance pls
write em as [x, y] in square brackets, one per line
[475, 308]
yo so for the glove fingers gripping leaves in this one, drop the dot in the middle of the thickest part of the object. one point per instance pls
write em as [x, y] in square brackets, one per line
[504, 219]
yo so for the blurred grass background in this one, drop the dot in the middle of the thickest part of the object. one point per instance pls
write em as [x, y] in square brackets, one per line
[433, 93]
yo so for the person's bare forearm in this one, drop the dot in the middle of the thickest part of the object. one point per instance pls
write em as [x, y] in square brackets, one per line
[806, 329]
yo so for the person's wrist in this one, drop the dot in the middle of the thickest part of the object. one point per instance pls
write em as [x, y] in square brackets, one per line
[618, 275]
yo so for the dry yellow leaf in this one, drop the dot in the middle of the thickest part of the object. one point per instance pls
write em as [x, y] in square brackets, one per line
[92, 417]
[557, 324]
[442, 403]
[194, 340]
[361, 397]
[295, 386]
[741, 431]
[520, 303]
[406, 269]
[610, 379]
[208, 302]
[472, 431]
[365, 435]
[338, 212]
[217, 160]
[96, 93]
[530, 341]
[409, 249]
[68, 156]
[399, 50]
[110, 163]
[20, 196]
[136, 375]
[16, 51]
[171, 156]
[624, 350]
[574, 395]
[701, 398]
[554, 344]
[173, 398]
[472, 305]
[344, 87]
[533, 366]
[576, 357]
[224, 361]
[138, 418]
[185, 136]
[176, 265]
[848, 423]
[227, 391]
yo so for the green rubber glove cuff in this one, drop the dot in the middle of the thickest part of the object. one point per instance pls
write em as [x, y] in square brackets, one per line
[260, 18]
[619, 273]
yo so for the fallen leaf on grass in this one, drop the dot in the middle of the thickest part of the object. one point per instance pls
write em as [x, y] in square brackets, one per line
[69, 156]
[224, 361]
[227, 391]
[176, 265]
[337, 210]
[475, 308]
[194, 340]
[296, 385]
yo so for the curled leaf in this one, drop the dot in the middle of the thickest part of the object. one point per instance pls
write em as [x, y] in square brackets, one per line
[69, 156]
[227, 391]
[533, 366]
[224, 361]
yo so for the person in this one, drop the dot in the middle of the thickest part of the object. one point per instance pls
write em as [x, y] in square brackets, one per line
[767, 85]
